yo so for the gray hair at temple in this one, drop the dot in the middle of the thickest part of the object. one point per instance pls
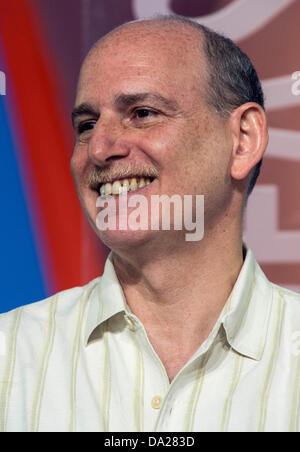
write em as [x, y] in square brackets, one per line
[233, 80]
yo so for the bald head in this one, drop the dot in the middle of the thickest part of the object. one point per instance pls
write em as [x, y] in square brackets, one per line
[232, 79]
[179, 33]
[167, 50]
[175, 46]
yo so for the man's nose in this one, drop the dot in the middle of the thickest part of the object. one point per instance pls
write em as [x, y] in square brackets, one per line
[108, 142]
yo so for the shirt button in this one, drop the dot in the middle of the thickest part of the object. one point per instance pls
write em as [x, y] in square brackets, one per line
[131, 323]
[156, 402]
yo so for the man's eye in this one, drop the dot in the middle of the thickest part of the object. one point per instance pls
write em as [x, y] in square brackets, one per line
[84, 126]
[141, 113]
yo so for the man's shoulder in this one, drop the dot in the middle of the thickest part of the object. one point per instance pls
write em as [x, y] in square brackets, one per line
[288, 296]
[64, 301]
[288, 300]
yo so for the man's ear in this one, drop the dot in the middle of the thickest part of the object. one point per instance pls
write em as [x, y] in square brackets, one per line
[248, 126]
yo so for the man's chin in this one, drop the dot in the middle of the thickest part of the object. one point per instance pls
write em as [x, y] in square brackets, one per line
[125, 239]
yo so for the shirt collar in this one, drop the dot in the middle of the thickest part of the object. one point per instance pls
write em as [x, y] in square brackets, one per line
[247, 311]
[106, 300]
[244, 317]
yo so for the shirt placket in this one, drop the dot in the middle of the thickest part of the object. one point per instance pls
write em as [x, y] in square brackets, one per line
[156, 382]
[161, 396]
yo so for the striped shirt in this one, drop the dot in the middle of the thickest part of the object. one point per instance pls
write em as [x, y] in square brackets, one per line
[81, 361]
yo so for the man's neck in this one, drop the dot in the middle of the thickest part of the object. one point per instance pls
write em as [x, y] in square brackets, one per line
[178, 296]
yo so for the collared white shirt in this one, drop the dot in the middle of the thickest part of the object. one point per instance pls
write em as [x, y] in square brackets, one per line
[81, 361]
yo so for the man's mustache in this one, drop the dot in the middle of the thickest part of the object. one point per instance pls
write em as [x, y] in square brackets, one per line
[100, 175]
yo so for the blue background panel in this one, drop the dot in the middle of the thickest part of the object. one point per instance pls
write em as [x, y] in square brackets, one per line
[20, 270]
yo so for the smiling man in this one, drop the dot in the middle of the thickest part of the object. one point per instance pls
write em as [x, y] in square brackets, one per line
[176, 335]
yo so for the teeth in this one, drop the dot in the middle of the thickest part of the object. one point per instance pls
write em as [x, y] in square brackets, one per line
[142, 182]
[108, 188]
[116, 188]
[123, 186]
[133, 184]
[126, 184]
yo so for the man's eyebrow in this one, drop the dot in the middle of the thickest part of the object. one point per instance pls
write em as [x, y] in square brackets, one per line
[83, 109]
[126, 100]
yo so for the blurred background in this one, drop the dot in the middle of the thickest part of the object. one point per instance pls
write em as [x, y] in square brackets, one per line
[46, 243]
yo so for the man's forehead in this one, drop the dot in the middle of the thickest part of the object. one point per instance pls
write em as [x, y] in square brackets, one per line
[139, 55]
[162, 38]
[156, 29]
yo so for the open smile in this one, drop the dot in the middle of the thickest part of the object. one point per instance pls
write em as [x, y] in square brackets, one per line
[125, 185]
